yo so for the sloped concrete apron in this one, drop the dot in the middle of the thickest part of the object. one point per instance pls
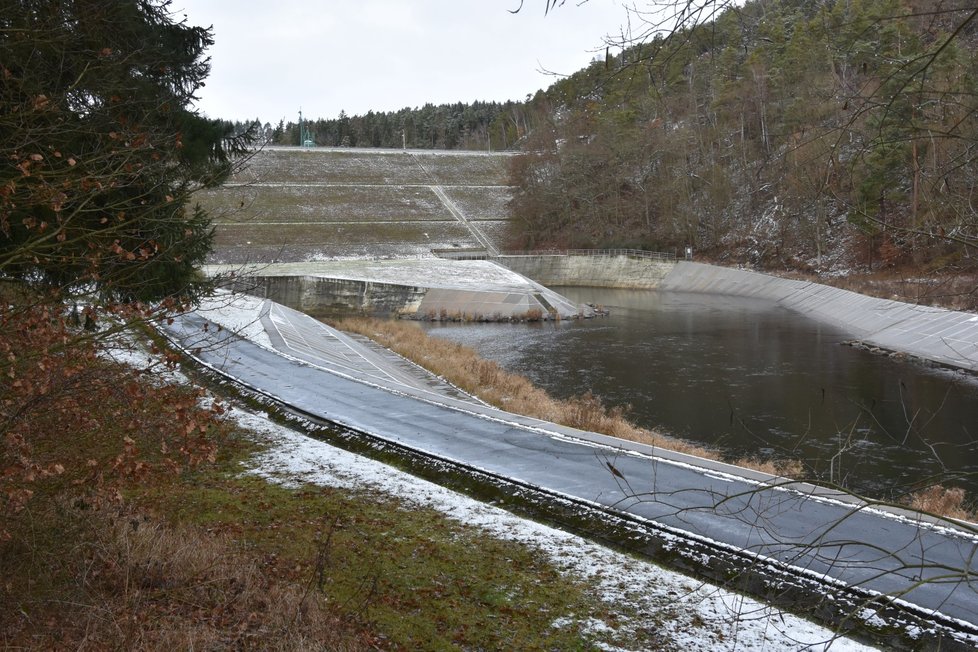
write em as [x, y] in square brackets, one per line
[947, 337]
[794, 542]
[426, 289]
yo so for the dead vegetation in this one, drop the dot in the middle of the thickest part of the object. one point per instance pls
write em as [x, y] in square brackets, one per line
[81, 437]
[126, 523]
[124, 581]
[951, 291]
[942, 288]
[950, 502]
[485, 379]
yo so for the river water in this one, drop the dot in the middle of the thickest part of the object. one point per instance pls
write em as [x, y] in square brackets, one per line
[751, 379]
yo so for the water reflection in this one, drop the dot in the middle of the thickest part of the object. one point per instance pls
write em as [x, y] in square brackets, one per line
[753, 379]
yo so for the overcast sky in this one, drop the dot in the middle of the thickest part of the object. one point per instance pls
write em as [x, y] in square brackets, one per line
[273, 57]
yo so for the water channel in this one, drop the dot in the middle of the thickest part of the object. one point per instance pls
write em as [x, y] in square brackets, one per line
[751, 379]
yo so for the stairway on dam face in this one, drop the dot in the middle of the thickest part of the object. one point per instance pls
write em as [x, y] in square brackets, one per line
[299, 205]
[308, 204]
[329, 230]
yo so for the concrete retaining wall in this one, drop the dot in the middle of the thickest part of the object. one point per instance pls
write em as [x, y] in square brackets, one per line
[947, 337]
[324, 297]
[619, 271]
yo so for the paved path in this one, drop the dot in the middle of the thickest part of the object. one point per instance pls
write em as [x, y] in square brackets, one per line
[929, 567]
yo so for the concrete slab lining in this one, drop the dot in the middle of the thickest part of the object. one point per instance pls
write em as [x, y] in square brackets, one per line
[427, 288]
[823, 534]
[947, 337]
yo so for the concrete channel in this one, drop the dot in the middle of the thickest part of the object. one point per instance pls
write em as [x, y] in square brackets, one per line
[434, 289]
[515, 286]
[945, 337]
[880, 573]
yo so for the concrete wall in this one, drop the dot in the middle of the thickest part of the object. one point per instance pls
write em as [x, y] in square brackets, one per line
[948, 337]
[321, 297]
[618, 271]
[334, 297]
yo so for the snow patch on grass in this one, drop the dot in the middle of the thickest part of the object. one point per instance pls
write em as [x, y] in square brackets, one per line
[237, 313]
[638, 596]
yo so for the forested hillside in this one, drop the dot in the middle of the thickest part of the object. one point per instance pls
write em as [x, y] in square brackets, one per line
[821, 135]
[476, 126]
[814, 134]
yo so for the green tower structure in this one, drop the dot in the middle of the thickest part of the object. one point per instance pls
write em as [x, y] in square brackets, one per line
[305, 136]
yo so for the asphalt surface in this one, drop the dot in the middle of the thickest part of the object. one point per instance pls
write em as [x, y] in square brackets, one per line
[930, 566]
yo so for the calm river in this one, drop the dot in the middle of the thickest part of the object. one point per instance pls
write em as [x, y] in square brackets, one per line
[752, 379]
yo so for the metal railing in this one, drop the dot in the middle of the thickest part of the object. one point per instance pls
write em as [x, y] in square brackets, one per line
[605, 253]
[462, 254]
[482, 254]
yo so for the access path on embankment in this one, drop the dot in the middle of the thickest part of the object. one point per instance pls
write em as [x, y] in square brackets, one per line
[895, 575]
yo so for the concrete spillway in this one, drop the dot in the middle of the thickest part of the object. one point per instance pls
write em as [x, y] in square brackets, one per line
[625, 270]
[947, 337]
[422, 288]
[433, 288]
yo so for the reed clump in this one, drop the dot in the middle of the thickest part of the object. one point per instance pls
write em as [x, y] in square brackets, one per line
[485, 379]
[943, 501]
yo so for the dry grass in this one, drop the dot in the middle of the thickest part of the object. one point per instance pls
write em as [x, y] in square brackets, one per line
[125, 582]
[485, 379]
[943, 501]
[79, 434]
[786, 468]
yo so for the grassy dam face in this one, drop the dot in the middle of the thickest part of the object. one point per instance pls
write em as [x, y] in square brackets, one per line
[308, 204]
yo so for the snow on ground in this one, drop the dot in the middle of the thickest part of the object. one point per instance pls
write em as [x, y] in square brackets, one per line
[482, 275]
[123, 347]
[641, 595]
[238, 313]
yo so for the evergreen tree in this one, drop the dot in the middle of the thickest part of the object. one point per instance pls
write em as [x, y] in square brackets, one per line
[100, 150]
